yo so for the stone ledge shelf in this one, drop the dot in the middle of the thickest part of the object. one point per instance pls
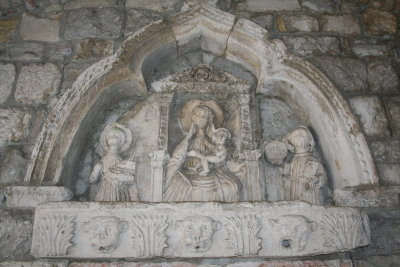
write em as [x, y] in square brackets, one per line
[194, 230]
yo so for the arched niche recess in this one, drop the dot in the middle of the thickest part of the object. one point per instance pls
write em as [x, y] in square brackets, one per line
[203, 28]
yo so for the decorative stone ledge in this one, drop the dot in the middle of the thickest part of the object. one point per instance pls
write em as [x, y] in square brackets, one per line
[27, 197]
[86, 230]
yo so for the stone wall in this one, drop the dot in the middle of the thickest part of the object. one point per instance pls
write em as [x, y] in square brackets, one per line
[46, 44]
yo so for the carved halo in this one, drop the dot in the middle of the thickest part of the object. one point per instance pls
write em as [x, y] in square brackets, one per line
[310, 136]
[186, 113]
[126, 133]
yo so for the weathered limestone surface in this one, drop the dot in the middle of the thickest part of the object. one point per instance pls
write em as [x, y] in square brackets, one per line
[7, 29]
[389, 173]
[318, 5]
[393, 105]
[37, 83]
[343, 25]
[15, 234]
[347, 74]
[39, 29]
[7, 77]
[174, 230]
[382, 77]
[386, 151]
[36, 263]
[89, 4]
[272, 5]
[89, 48]
[381, 196]
[26, 197]
[102, 23]
[13, 167]
[380, 22]
[137, 19]
[306, 46]
[371, 114]
[297, 23]
[14, 124]
[23, 51]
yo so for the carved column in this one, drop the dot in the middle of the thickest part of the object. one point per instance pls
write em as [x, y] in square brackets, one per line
[247, 145]
[160, 156]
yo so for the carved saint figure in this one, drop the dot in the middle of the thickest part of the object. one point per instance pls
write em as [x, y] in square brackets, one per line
[103, 232]
[117, 176]
[307, 175]
[197, 169]
[198, 232]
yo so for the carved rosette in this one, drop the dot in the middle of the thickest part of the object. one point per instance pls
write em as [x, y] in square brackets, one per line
[54, 235]
[164, 100]
[246, 135]
[242, 234]
[149, 238]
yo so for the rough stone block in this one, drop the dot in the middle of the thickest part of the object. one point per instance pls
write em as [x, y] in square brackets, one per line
[89, 48]
[389, 173]
[382, 77]
[7, 29]
[73, 70]
[365, 48]
[265, 21]
[272, 5]
[379, 22]
[305, 46]
[103, 23]
[37, 83]
[27, 197]
[393, 106]
[345, 73]
[155, 5]
[301, 23]
[14, 124]
[59, 52]
[39, 29]
[343, 25]
[371, 114]
[87, 4]
[386, 151]
[15, 234]
[36, 263]
[13, 167]
[7, 77]
[378, 261]
[23, 51]
[379, 197]
[317, 5]
[170, 230]
[137, 19]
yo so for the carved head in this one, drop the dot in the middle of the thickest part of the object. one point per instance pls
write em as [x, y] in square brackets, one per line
[302, 140]
[116, 137]
[103, 232]
[294, 231]
[221, 136]
[202, 116]
[198, 232]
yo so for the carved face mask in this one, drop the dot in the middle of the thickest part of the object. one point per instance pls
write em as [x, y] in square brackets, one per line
[103, 233]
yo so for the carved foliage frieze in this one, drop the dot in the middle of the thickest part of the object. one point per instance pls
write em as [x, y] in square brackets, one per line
[242, 234]
[54, 233]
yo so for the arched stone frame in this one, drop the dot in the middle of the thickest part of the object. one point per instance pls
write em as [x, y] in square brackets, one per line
[217, 33]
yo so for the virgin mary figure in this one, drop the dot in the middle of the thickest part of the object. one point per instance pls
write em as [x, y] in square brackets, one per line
[185, 179]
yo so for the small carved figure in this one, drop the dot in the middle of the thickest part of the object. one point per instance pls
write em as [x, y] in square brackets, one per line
[307, 175]
[294, 231]
[185, 180]
[103, 232]
[117, 181]
[198, 232]
[219, 138]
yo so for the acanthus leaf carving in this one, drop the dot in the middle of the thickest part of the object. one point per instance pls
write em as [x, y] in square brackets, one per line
[343, 231]
[56, 233]
[149, 234]
[242, 234]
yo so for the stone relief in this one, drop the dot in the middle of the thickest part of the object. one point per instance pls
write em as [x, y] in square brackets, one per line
[103, 232]
[341, 230]
[55, 233]
[242, 234]
[117, 176]
[306, 174]
[197, 168]
[294, 231]
[198, 232]
[149, 238]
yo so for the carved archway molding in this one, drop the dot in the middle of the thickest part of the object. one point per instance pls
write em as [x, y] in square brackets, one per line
[222, 35]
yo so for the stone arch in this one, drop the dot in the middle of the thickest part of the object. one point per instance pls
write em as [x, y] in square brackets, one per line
[219, 34]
